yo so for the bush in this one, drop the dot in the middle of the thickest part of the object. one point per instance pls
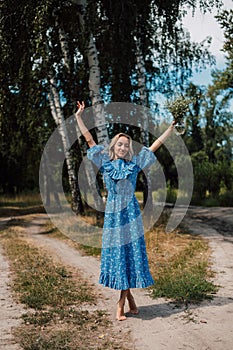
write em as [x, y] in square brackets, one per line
[226, 199]
[211, 202]
[169, 195]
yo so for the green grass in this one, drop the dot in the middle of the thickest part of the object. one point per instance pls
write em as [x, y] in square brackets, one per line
[92, 251]
[40, 282]
[187, 285]
[20, 200]
[22, 204]
[181, 268]
[58, 298]
[179, 263]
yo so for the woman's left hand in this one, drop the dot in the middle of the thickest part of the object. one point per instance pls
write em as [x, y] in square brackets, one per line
[173, 124]
[81, 107]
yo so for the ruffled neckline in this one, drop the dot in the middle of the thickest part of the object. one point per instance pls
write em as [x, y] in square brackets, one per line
[119, 169]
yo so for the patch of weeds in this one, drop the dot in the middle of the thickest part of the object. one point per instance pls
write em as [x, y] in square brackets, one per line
[57, 319]
[184, 285]
[180, 267]
[71, 315]
[92, 251]
[63, 339]
[68, 330]
[40, 282]
[67, 338]
[39, 318]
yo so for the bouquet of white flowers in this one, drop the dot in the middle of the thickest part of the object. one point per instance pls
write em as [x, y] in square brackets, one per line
[178, 107]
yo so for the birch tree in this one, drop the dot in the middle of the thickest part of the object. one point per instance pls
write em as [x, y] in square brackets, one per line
[56, 111]
[141, 73]
[26, 63]
[94, 88]
[94, 82]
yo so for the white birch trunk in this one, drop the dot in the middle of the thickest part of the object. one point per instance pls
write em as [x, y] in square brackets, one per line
[147, 195]
[90, 176]
[94, 81]
[142, 95]
[55, 106]
[64, 49]
[94, 88]
[89, 170]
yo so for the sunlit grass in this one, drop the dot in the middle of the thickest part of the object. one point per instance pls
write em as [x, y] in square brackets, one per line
[39, 281]
[179, 262]
[58, 298]
[20, 200]
[180, 265]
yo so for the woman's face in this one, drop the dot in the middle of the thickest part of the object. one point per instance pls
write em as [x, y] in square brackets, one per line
[121, 148]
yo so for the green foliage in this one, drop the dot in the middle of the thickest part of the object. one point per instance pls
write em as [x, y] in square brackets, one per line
[40, 282]
[32, 50]
[183, 278]
[225, 18]
[209, 140]
[226, 199]
[59, 319]
[185, 286]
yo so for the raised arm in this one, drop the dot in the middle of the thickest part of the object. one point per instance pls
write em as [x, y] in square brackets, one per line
[157, 143]
[84, 131]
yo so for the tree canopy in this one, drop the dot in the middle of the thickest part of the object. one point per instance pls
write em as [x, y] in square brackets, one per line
[49, 41]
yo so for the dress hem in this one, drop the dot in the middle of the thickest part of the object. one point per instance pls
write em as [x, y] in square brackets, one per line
[115, 283]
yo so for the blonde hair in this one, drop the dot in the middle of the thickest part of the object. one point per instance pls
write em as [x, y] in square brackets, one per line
[114, 141]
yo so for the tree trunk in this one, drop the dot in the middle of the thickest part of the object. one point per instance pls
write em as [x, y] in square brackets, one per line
[97, 103]
[88, 167]
[65, 49]
[94, 88]
[54, 101]
[91, 180]
[49, 184]
[94, 81]
[147, 189]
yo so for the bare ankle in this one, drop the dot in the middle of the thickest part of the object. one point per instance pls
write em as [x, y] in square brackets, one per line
[120, 306]
[132, 305]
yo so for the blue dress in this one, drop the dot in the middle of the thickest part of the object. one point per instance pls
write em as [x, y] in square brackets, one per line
[124, 262]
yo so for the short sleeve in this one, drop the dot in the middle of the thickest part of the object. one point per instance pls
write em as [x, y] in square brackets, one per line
[144, 158]
[97, 155]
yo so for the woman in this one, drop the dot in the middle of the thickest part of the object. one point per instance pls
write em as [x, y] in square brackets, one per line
[124, 262]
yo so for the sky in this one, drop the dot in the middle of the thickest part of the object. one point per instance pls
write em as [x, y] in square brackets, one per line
[200, 26]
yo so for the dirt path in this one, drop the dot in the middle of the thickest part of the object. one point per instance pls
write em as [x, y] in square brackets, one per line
[10, 311]
[159, 324]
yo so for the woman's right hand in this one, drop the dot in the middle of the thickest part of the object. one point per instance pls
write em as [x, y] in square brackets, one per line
[81, 107]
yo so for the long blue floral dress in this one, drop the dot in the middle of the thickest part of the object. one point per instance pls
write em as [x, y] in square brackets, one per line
[124, 262]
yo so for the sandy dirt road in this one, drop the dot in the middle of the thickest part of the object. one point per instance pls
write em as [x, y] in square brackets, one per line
[159, 325]
[9, 310]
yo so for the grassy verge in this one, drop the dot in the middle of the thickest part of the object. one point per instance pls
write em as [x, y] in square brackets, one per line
[20, 205]
[180, 265]
[58, 299]
[20, 200]
[84, 249]
[179, 262]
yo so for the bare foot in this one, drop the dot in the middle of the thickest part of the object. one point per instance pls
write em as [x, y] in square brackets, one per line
[132, 305]
[120, 316]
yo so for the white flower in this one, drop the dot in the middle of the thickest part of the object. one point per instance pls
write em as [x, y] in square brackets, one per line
[178, 107]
